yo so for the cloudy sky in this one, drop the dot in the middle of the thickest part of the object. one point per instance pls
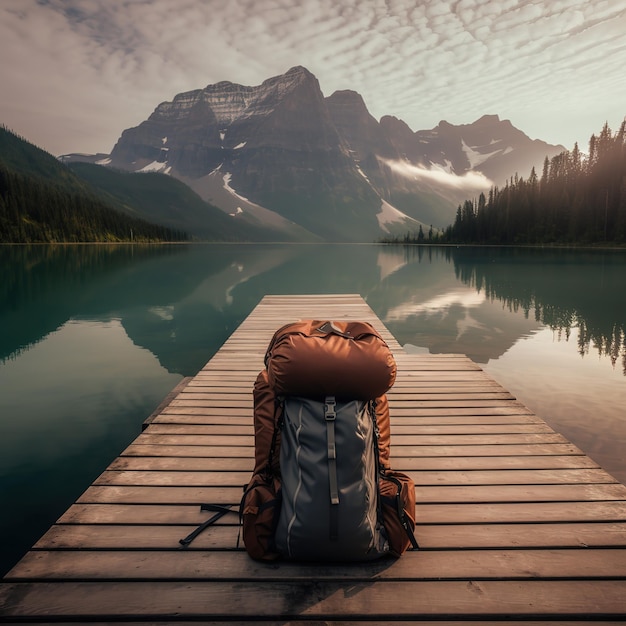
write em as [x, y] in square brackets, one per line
[75, 73]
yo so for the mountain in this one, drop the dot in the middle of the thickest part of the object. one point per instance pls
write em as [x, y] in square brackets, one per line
[167, 201]
[447, 164]
[270, 149]
[491, 146]
[78, 200]
[284, 154]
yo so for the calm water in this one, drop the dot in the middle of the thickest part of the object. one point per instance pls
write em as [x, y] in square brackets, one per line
[93, 337]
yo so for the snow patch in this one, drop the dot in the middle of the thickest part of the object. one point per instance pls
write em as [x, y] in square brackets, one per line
[240, 145]
[358, 167]
[163, 140]
[103, 161]
[474, 157]
[156, 166]
[508, 150]
[227, 178]
[239, 211]
[389, 214]
[222, 135]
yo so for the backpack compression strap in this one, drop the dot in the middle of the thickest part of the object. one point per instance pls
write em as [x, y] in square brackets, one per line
[330, 415]
[219, 510]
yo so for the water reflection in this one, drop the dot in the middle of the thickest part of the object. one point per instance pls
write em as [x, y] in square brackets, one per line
[480, 302]
[43, 286]
[181, 302]
[559, 289]
[426, 305]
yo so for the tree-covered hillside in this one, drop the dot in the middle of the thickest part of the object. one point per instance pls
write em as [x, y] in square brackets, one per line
[41, 200]
[167, 201]
[578, 199]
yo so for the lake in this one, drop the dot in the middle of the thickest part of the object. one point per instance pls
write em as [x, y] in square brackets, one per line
[93, 337]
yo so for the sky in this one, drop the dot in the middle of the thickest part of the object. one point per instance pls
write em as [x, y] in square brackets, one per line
[75, 73]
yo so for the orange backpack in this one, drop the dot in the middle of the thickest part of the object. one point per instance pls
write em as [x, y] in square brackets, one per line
[314, 359]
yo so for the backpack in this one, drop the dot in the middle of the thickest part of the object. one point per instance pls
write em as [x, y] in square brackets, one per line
[322, 487]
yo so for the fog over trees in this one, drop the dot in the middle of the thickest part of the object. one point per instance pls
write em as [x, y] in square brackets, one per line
[576, 199]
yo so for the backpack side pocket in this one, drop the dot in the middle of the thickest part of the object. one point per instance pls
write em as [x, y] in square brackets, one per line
[258, 512]
[397, 493]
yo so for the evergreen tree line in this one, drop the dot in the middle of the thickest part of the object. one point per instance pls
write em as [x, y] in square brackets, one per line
[576, 199]
[33, 210]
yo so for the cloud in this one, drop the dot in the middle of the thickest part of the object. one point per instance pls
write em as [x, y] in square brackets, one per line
[470, 181]
[83, 70]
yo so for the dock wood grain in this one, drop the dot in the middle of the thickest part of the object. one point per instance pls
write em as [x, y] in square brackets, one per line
[515, 523]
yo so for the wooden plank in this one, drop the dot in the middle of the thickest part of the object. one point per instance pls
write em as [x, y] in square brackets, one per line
[243, 425]
[206, 383]
[215, 494]
[224, 534]
[515, 512]
[449, 401]
[445, 514]
[521, 493]
[194, 439]
[245, 396]
[174, 463]
[246, 427]
[511, 477]
[499, 462]
[462, 417]
[87, 536]
[316, 600]
[223, 478]
[419, 565]
[160, 495]
[137, 514]
[464, 464]
[458, 513]
[178, 479]
[523, 534]
[451, 413]
[398, 451]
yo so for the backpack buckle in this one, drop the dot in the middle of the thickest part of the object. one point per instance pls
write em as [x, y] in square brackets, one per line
[330, 408]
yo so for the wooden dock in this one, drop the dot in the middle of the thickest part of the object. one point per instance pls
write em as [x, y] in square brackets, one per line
[515, 523]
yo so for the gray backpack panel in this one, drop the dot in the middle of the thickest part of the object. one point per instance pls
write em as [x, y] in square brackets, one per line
[328, 461]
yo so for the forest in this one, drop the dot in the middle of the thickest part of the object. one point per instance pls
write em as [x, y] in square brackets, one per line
[579, 199]
[42, 201]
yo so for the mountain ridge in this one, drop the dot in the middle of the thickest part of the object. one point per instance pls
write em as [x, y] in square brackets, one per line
[283, 151]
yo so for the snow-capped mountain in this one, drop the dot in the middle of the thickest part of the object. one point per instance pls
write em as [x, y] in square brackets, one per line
[281, 152]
